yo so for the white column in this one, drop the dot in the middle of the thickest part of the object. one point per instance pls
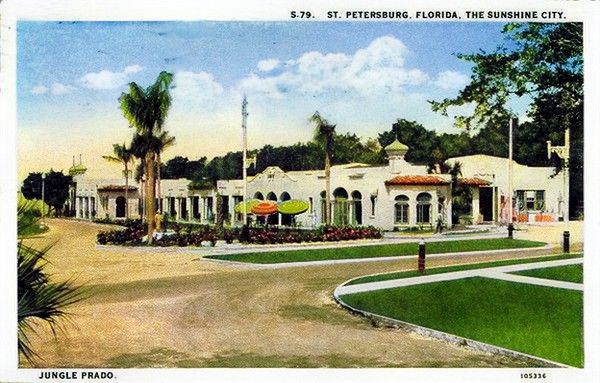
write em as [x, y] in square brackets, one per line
[412, 212]
[434, 209]
[448, 205]
[475, 204]
[230, 206]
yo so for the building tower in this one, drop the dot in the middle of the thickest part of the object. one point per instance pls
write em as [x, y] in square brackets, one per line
[395, 153]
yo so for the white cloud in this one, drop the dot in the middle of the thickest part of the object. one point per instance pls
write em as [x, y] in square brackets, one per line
[58, 88]
[106, 79]
[451, 80]
[194, 86]
[40, 89]
[133, 69]
[376, 69]
[267, 65]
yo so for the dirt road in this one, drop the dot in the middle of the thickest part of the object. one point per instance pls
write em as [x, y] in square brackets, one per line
[148, 309]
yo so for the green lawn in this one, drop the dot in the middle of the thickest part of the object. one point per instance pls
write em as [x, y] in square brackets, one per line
[448, 269]
[569, 273]
[395, 250]
[33, 229]
[537, 320]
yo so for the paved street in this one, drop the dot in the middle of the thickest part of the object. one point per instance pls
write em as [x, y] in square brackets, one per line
[169, 309]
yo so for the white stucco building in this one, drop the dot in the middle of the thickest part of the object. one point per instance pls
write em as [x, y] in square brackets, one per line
[396, 195]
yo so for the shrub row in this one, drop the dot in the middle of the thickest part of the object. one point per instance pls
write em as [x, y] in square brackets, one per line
[198, 235]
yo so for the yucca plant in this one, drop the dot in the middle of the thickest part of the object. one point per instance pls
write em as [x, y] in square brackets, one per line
[38, 298]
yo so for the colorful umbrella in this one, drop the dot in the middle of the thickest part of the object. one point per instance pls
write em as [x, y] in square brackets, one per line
[264, 208]
[249, 204]
[293, 207]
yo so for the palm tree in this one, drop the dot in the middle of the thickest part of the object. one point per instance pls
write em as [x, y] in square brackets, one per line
[122, 155]
[38, 298]
[323, 135]
[163, 141]
[146, 110]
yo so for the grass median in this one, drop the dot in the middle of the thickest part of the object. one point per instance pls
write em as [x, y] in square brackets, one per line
[516, 316]
[378, 251]
[569, 273]
[448, 269]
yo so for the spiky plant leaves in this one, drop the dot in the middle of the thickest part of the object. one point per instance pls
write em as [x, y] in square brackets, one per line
[39, 299]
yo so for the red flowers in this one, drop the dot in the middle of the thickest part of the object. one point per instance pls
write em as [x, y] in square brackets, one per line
[199, 235]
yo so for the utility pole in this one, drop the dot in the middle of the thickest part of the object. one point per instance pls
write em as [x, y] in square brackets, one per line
[510, 172]
[43, 195]
[563, 153]
[244, 157]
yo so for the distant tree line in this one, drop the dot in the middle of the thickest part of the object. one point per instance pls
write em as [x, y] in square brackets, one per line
[427, 147]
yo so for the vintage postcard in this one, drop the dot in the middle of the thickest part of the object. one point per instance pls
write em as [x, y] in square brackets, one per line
[249, 191]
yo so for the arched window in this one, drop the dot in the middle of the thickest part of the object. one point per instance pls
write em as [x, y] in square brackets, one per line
[357, 207]
[285, 196]
[401, 209]
[259, 195]
[341, 216]
[424, 208]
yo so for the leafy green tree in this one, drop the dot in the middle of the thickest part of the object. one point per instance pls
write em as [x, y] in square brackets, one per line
[176, 167]
[324, 135]
[56, 188]
[421, 141]
[122, 155]
[540, 62]
[146, 110]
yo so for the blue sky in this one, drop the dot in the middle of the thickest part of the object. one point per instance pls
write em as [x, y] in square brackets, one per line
[361, 76]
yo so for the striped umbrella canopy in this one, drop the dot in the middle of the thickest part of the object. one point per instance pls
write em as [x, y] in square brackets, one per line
[246, 205]
[264, 208]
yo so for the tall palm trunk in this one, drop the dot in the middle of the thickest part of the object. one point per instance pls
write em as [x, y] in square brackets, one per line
[126, 191]
[150, 193]
[158, 194]
[327, 188]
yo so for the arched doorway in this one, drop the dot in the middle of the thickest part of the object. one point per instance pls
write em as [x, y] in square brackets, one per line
[286, 219]
[340, 207]
[272, 219]
[120, 207]
[356, 208]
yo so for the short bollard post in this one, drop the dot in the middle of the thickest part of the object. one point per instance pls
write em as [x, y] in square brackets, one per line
[511, 228]
[422, 257]
[566, 240]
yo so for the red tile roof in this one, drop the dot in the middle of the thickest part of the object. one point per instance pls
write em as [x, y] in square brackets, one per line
[473, 181]
[417, 180]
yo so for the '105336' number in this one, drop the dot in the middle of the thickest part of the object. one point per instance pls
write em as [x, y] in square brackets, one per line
[533, 375]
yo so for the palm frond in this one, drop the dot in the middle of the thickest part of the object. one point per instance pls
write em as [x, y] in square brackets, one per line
[38, 297]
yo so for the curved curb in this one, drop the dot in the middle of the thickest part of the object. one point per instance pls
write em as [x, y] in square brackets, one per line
[383, 321]
[330, 262]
